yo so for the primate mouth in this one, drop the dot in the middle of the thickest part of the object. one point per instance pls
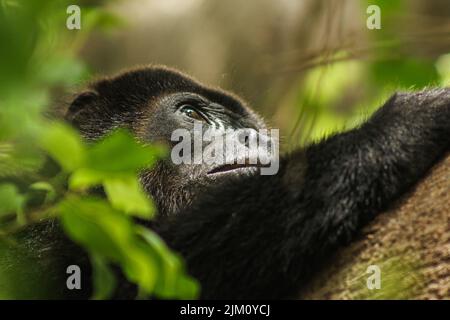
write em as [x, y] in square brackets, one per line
[232, 167]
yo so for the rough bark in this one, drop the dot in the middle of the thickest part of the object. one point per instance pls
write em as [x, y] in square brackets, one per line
[410, 243]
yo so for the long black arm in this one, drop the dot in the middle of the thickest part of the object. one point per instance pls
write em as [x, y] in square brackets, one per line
[275, 231]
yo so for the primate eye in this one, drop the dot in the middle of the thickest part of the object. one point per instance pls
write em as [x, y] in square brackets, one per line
[191, 112]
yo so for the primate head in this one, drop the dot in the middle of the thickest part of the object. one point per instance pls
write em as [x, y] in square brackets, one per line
[152, 103]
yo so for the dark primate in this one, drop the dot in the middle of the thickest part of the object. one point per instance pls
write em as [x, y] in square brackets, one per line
[242, 234]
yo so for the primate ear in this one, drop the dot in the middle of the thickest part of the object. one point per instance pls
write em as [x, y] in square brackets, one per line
[79, 103]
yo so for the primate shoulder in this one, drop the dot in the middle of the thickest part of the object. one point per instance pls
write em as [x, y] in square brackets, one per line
[410, 244]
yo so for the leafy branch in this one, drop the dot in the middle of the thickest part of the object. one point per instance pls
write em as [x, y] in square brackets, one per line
[47, 171]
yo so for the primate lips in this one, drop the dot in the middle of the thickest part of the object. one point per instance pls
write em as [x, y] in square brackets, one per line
[234, 166]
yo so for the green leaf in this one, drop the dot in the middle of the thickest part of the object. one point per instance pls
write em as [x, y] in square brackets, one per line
[172, 282]
[94, 224]
[104, 231]
[45, 186]
[120, 152]
[187, 288]
[84, 178]
[104, 279]
[11, 201]
[169, 264]
[126, 194]
[64, 144]
[140, 267]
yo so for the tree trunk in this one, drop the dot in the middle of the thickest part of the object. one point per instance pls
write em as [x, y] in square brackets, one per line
[410, 244]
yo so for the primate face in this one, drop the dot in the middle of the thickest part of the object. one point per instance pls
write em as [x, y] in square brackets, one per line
[207, 139]
[194, 121]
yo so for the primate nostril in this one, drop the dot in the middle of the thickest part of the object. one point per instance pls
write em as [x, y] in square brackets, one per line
[246, 141]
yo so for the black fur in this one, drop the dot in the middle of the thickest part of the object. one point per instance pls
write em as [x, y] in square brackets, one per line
[253, 236]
